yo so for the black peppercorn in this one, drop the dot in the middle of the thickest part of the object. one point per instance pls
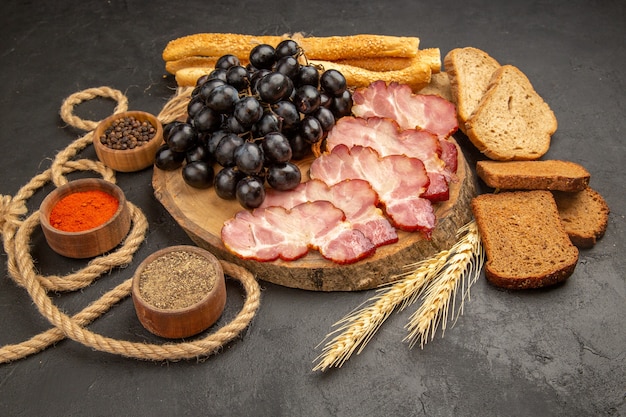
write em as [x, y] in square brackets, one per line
[127, 133]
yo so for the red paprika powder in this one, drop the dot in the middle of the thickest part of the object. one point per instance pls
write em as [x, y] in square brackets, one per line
[83, 210]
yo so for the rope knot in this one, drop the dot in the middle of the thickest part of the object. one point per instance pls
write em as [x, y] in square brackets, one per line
[10, 211]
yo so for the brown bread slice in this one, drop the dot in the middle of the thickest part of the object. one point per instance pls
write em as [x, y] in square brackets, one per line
[585, 216]
[525, 242]
[439, 86]
[511, 122]
[534, 175]
[469, 71]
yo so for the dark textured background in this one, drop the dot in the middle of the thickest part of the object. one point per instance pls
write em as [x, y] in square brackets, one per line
[555, 352]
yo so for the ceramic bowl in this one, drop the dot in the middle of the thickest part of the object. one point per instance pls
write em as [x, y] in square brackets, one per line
[91, 242]
[178, 322]
[128, 160]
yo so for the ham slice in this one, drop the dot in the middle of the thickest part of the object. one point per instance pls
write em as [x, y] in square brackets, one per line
[271, 233]
[411, 111]
[398, 180]
[355, 198]
[387, 138]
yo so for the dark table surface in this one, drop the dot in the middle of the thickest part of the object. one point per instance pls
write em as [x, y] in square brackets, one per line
[554, 352]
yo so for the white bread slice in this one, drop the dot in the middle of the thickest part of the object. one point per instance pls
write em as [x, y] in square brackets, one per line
[469, 71]
[512, 121]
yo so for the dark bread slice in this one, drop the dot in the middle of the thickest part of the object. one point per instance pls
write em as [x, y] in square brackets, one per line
[534, 175]
[525, 242]
[511, 122]
[469, 71]
[585, 216]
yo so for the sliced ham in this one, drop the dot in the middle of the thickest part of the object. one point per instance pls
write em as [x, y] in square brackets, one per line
[398, 180]
[355, 198]
[387, 138]
[271, 233]
[449, 154]
[412, 111]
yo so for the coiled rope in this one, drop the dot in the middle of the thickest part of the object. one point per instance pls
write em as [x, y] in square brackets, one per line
[16, 227]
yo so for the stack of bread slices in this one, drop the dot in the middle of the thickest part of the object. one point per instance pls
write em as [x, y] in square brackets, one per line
[541, 211]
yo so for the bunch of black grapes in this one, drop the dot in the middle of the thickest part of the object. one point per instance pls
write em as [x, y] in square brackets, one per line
[253, 121]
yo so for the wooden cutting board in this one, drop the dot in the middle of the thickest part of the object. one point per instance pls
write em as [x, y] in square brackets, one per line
[201, 213]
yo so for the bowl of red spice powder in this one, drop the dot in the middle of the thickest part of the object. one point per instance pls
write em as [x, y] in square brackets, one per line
[85, 218]
[128, 141]
[179, 291]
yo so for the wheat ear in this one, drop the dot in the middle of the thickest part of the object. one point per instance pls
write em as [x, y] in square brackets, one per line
[462, 267]
[356, 329]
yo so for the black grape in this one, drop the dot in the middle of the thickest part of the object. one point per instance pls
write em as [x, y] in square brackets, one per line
[226, 181]
[198, 174]
[250, 192]
[284, 176]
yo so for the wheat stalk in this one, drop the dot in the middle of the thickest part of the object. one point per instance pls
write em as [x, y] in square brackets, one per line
[462, 267]
[356, 329]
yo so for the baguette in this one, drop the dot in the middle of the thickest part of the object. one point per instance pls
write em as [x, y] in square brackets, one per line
[533, 175]
[511, 122]
[525, 243]
[584, 216]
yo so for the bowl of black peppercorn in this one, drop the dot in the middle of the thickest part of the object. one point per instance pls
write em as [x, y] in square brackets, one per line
[128, 141]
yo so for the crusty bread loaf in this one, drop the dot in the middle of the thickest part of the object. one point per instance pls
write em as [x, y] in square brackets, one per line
[525, 242]
[585, 216]
[469, 70]
[534, 175]
[511, 122]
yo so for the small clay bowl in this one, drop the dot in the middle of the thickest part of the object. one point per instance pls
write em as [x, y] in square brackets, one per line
[174, 323]
[91, 242]
[128, 160]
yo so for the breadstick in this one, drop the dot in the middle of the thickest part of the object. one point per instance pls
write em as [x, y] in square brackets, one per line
[371, 64]
[323, 48]
[378, 64]
[187, 77]
[195, 61]
[417, 76]
[334, 48]
[215, 44]
[432, 56]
